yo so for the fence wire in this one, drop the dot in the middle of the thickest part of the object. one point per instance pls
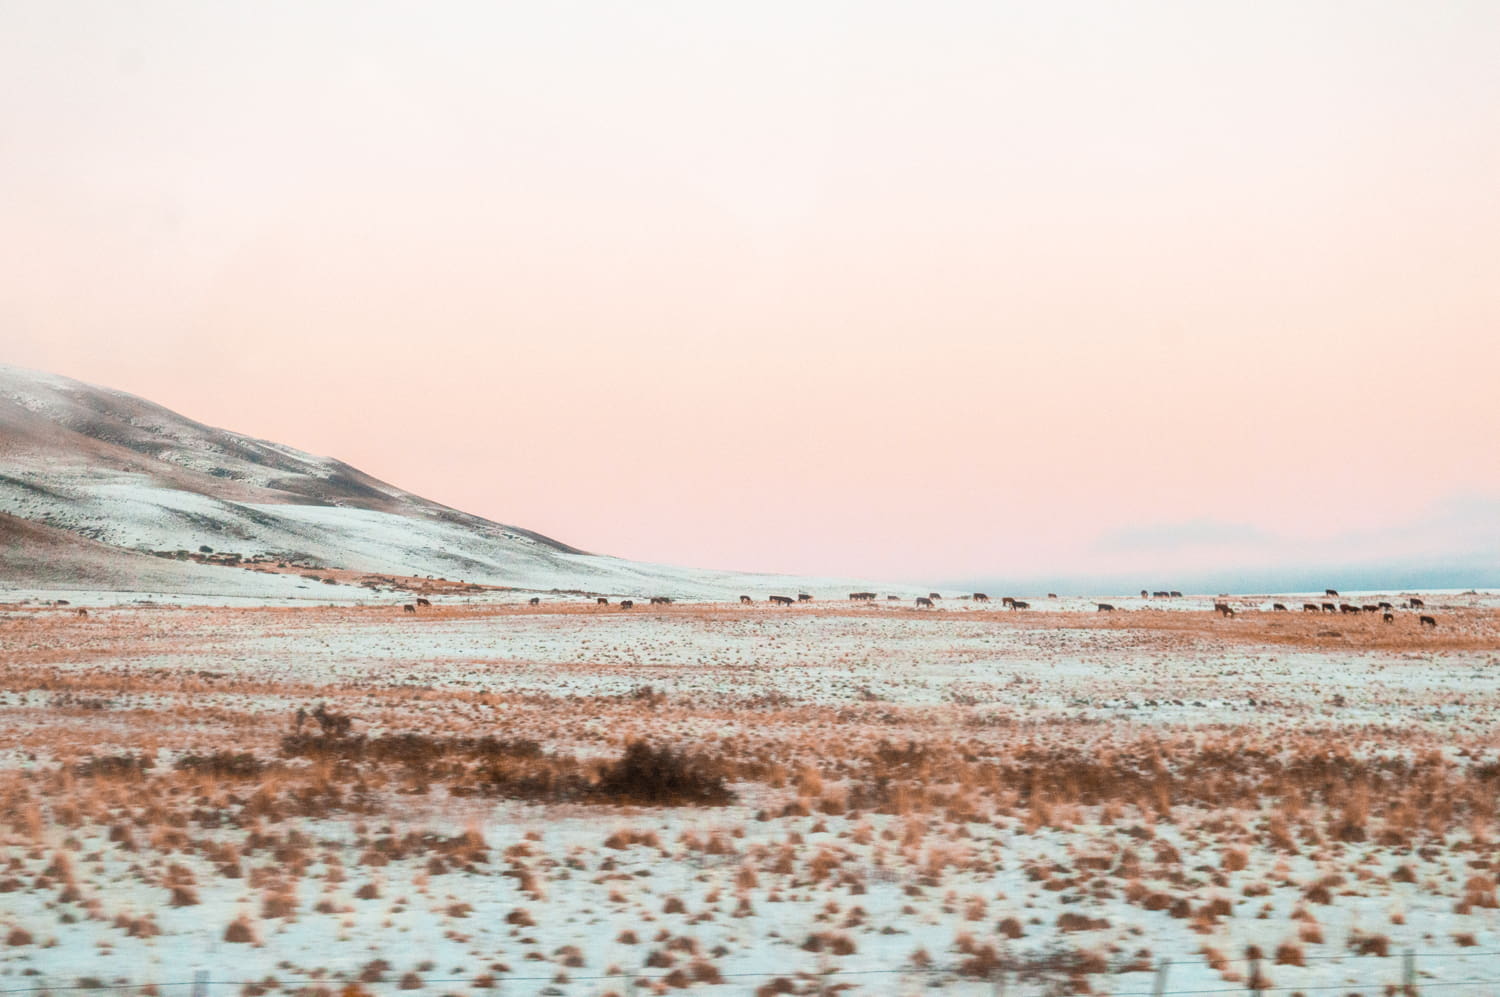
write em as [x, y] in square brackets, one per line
[632, 978]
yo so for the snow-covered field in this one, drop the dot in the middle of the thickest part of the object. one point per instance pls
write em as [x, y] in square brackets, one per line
[966, 799]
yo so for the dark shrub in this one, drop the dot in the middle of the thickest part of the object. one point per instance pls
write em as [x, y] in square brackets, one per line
[222, 764]
[115, 766]
[660, 775]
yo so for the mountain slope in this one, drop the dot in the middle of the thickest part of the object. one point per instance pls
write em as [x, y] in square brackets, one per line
[103, 478]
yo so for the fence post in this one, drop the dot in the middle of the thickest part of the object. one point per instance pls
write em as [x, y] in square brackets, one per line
[1159, 985]
[200, 983]
[1409, 973]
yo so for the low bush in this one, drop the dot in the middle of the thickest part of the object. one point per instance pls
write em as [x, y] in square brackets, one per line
[222, 765]
[661, 776]
[114, 766]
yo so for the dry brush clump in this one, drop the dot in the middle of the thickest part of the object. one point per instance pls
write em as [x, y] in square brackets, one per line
[492, 766]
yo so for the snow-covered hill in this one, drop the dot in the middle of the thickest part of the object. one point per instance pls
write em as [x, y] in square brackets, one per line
[103, 479]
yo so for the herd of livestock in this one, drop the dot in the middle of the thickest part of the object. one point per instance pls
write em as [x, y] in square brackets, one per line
[929, 601]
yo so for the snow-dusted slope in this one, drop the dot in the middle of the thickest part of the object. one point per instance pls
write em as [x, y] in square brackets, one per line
[104, 477]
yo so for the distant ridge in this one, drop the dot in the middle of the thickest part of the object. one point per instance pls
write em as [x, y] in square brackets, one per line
[95, 481]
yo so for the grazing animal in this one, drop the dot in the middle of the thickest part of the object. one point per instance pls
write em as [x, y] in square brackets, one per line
[82, 611]
[1344, 607]
[1143, 594]
[933, 595]
[893, 598]
[62, 602]
[660, 600]
[746, 598]
[1332, 592]
[1008, 601]
[1427, 621]
[781, 600]
[803, 597]
[981, 597]
[1223, 609]
[1329, 607]
[535, 600]
[409, 608]
[1161, 595]
[1388, 617]
[861, 596]
[424, 602]
[1278, 607]
[601, 601]
[1105, 607]
[922, 600]
[1415, 604]
[1311, 607]
[1052, 595]
[1174, 594]
[1370, 609]
[627, 604]
[1018, 604]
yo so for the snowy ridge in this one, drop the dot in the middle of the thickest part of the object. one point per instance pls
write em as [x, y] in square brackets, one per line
[133, 478]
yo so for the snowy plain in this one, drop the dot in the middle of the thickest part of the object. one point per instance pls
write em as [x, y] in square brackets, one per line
[830, 868]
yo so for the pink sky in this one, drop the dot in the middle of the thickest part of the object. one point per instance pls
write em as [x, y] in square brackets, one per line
[904, 291]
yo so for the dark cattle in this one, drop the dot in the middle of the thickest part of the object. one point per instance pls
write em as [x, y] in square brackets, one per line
[409, 608]
[627, 604]
[1311, 607]
[1332, 592]
[1143, 594]
[981, 597]
[861, 596]
[424, 602]
[1344, 607]
[1329, 607]
[803, 597]
[82, 611]
[1018, 604]
[1008, 601]
[933, 595]
[62, 602]
[893, 598]
[922, 600]
[659, 600]
[1415, 604]
[1161, 595]
[1105, 607]
[746, 598]
[601, 601]
[1052, 595]
[1175, 595]
[1388, 617]
[1387, 606]
[1370, 609]
[1223, 609]
[1427, 621]
[781, 600]
[1278, 607]
[535, 600]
